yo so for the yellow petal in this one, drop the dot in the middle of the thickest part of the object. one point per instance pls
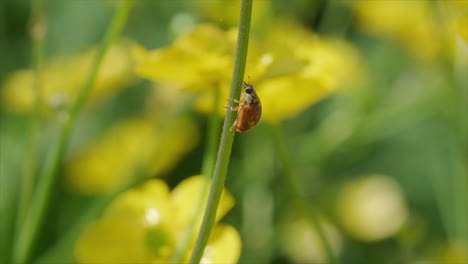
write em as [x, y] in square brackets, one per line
[224, 246]
[462, 27]
[290, 74]
[112, 240]
[63, 77]
[150, 203]
[176, 140]
[272, 93]
[109, 163]
[195, 62]
[412, 23]
[134, 229]
[17, 93]
[189, 195]
[226, 13]
[167, 64]
[453, 252]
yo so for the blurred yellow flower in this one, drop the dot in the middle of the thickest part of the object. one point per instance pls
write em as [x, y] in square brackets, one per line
[63, 76]
[459, 4]
[302, 243]
[226, 12]
[302, 69]
[462, 26]
[455, 252]
[458, 10]
[110, 162]
[412, 23]
[145, 224]
[195, 62]
[372, 208]
[291, 68]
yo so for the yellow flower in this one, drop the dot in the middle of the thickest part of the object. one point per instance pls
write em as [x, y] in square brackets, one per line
[62, 78]
[194, 62]
[458, 10]
[459, 4]
[290, 67]
[302, 243]
[413, 23]
[453, 252]
[226, 12]
[372, 208]
[144, 225]
[111, 161]
[303, 69]
[462, 26]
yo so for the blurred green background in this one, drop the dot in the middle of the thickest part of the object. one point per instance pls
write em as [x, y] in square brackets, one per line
[382, 161]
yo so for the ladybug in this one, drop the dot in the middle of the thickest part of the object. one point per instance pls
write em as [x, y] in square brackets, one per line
[249, 109]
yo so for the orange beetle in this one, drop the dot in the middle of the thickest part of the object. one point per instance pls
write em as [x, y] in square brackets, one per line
[249, 109]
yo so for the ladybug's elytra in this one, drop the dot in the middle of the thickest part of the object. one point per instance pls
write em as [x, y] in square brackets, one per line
[249, 109]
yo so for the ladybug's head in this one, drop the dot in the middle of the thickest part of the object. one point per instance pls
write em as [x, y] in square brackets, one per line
[248, 88]
[250, 94]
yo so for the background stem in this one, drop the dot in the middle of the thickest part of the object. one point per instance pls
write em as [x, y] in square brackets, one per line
[227, 137]
[291, 182]
[38, 31]
[27, 238]
[209, 159]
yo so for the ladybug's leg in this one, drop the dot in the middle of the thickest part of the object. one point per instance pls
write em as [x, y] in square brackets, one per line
[233, 108]
[235, 100]
[240, 102]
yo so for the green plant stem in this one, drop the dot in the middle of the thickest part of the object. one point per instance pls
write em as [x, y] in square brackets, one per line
[209, 159]
[38, 31]
[227, 137]
[298, 197]
[25, 245]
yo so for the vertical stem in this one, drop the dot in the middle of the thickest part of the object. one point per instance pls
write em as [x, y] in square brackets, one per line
[38, 31]
[227, 137]
[209, 159]
[304, 206]
[27, 238]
